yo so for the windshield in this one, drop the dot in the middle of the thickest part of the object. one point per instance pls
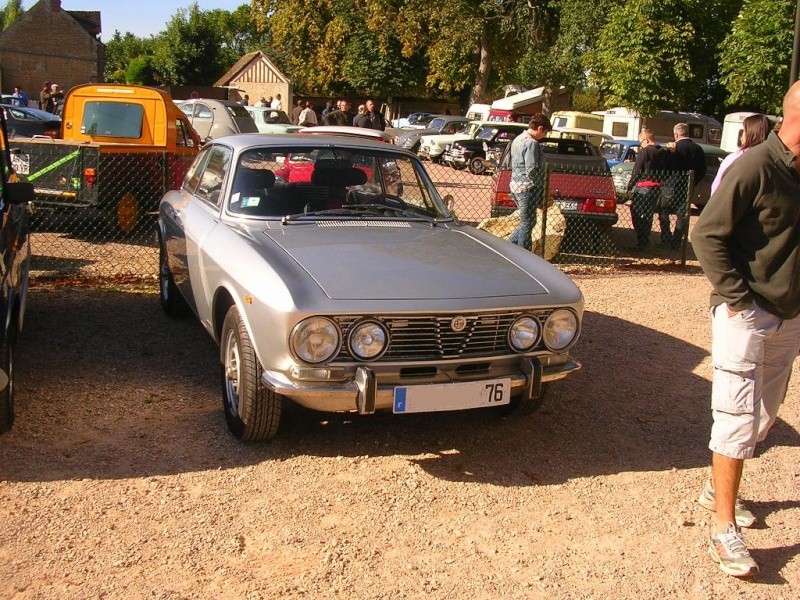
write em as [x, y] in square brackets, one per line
[612, 150]
[314, 181]
[486, 133]
[112, 119]
[437, 123]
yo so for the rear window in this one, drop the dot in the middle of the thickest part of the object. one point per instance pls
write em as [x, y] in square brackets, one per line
[112, 119]
[237, 110]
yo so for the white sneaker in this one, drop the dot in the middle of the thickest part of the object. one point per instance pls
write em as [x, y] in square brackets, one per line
[730, 551]
[744, 518]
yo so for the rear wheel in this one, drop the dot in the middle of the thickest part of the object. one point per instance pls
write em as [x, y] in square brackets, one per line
[172, 301]
[252, 411]
[127, 212]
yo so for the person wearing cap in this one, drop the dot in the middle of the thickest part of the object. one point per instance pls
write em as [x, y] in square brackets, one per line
[44, 95]
[527, 177]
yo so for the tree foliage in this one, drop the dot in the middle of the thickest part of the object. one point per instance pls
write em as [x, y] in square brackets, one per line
[140, 71]
[10, 13]
[190, 49]
[756, 56]
[121, 50]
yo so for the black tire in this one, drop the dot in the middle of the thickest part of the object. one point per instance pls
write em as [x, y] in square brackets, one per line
[477, 166]
[171, 299]
[458, 167]
[252, 411]
[7, 393]
[521, 405]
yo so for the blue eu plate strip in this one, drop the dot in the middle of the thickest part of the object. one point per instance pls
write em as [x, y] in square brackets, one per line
[400, 400]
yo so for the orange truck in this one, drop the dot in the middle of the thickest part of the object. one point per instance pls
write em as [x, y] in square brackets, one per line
[121, 148]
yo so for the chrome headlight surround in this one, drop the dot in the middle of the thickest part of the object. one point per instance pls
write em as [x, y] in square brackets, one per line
[315, 340]
[560, 329]
[524, 333]
[368, 340]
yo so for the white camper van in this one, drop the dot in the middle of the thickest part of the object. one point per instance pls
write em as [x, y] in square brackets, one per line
[625, 124]
[478, 112]
[733, 128]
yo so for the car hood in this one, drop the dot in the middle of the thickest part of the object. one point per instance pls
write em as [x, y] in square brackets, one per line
[444, 139]
[401, 263]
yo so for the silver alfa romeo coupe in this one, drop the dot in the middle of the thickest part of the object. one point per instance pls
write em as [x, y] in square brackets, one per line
[333, 274]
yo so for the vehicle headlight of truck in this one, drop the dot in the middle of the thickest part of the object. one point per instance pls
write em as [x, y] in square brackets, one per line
[523, 334]
[315, 340]
[560, 329]
[368, 340]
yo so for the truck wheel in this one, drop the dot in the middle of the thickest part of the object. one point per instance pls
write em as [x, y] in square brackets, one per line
[127, 213]
[252, 411]
[171, 299]
[7, 393]
[477, 166]
[522, 405]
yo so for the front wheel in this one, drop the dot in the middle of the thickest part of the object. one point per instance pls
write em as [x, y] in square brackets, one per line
[522, 405]
[252, 411]
[477, 166]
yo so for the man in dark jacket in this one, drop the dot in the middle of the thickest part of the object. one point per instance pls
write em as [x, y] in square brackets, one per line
[649, 171]
[747, 240]
[341, 116]
[688, 156]
[372, 119]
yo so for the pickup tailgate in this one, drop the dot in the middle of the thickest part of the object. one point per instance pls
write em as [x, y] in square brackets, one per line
[62, 172]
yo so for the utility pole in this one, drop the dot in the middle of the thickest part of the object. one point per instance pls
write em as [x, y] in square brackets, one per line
[796, 48]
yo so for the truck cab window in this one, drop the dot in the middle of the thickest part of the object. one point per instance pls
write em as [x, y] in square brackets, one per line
[113, 119]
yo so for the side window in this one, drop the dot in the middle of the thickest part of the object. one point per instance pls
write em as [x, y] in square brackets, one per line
[213, 175]
[201, 111]
[193, 174]
[182, 136]
[187, 108]
[696, 131]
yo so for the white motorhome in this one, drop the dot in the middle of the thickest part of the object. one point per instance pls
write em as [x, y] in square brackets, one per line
[733, 128]
[625, 124]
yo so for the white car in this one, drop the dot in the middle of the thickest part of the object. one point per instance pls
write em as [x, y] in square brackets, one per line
[272, 120]
[432, 147]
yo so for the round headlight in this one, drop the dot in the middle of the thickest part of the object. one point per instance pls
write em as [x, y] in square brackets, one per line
[524, 333]
[368, 340]
[315, 340]
[560, 329]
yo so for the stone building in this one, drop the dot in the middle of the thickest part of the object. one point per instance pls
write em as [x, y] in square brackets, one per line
[255, 75]
[48, 43]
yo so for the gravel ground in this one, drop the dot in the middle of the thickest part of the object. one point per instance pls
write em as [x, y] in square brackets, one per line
[120, 480]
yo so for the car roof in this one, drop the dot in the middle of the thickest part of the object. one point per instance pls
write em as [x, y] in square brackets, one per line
[243, 141]
[349, 131]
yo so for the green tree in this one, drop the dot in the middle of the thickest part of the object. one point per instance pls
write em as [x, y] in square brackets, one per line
[337, 46]
[190, 49]
[140, 71]
[121, 50]
[756, 56]
[11, 12]
[660, 54]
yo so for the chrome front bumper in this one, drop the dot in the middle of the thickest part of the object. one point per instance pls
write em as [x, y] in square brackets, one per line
[362, 390]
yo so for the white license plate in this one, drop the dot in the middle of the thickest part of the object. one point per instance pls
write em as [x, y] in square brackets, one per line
[452, 396]
[21, 163]
[567, 204]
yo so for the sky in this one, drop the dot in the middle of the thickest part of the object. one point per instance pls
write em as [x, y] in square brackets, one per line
[142, 18]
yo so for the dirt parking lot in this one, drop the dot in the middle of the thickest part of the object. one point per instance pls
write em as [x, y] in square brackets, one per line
[120, 480]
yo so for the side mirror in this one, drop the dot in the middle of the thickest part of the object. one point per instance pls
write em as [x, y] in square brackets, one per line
[20, 192]
[450, 202]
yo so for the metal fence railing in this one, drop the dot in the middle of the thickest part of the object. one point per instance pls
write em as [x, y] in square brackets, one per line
[592, 219]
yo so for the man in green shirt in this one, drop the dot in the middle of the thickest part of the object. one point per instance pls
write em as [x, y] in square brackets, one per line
[748, 242]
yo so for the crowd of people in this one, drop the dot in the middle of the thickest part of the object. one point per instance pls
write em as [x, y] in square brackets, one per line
[50, 97]
[338, 113]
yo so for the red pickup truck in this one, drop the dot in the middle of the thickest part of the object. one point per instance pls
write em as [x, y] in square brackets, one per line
[579, 181]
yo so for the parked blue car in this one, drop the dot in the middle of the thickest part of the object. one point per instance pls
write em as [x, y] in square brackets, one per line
[619, 151]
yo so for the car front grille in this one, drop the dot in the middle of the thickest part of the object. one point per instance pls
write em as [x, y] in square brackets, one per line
[432, 337]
